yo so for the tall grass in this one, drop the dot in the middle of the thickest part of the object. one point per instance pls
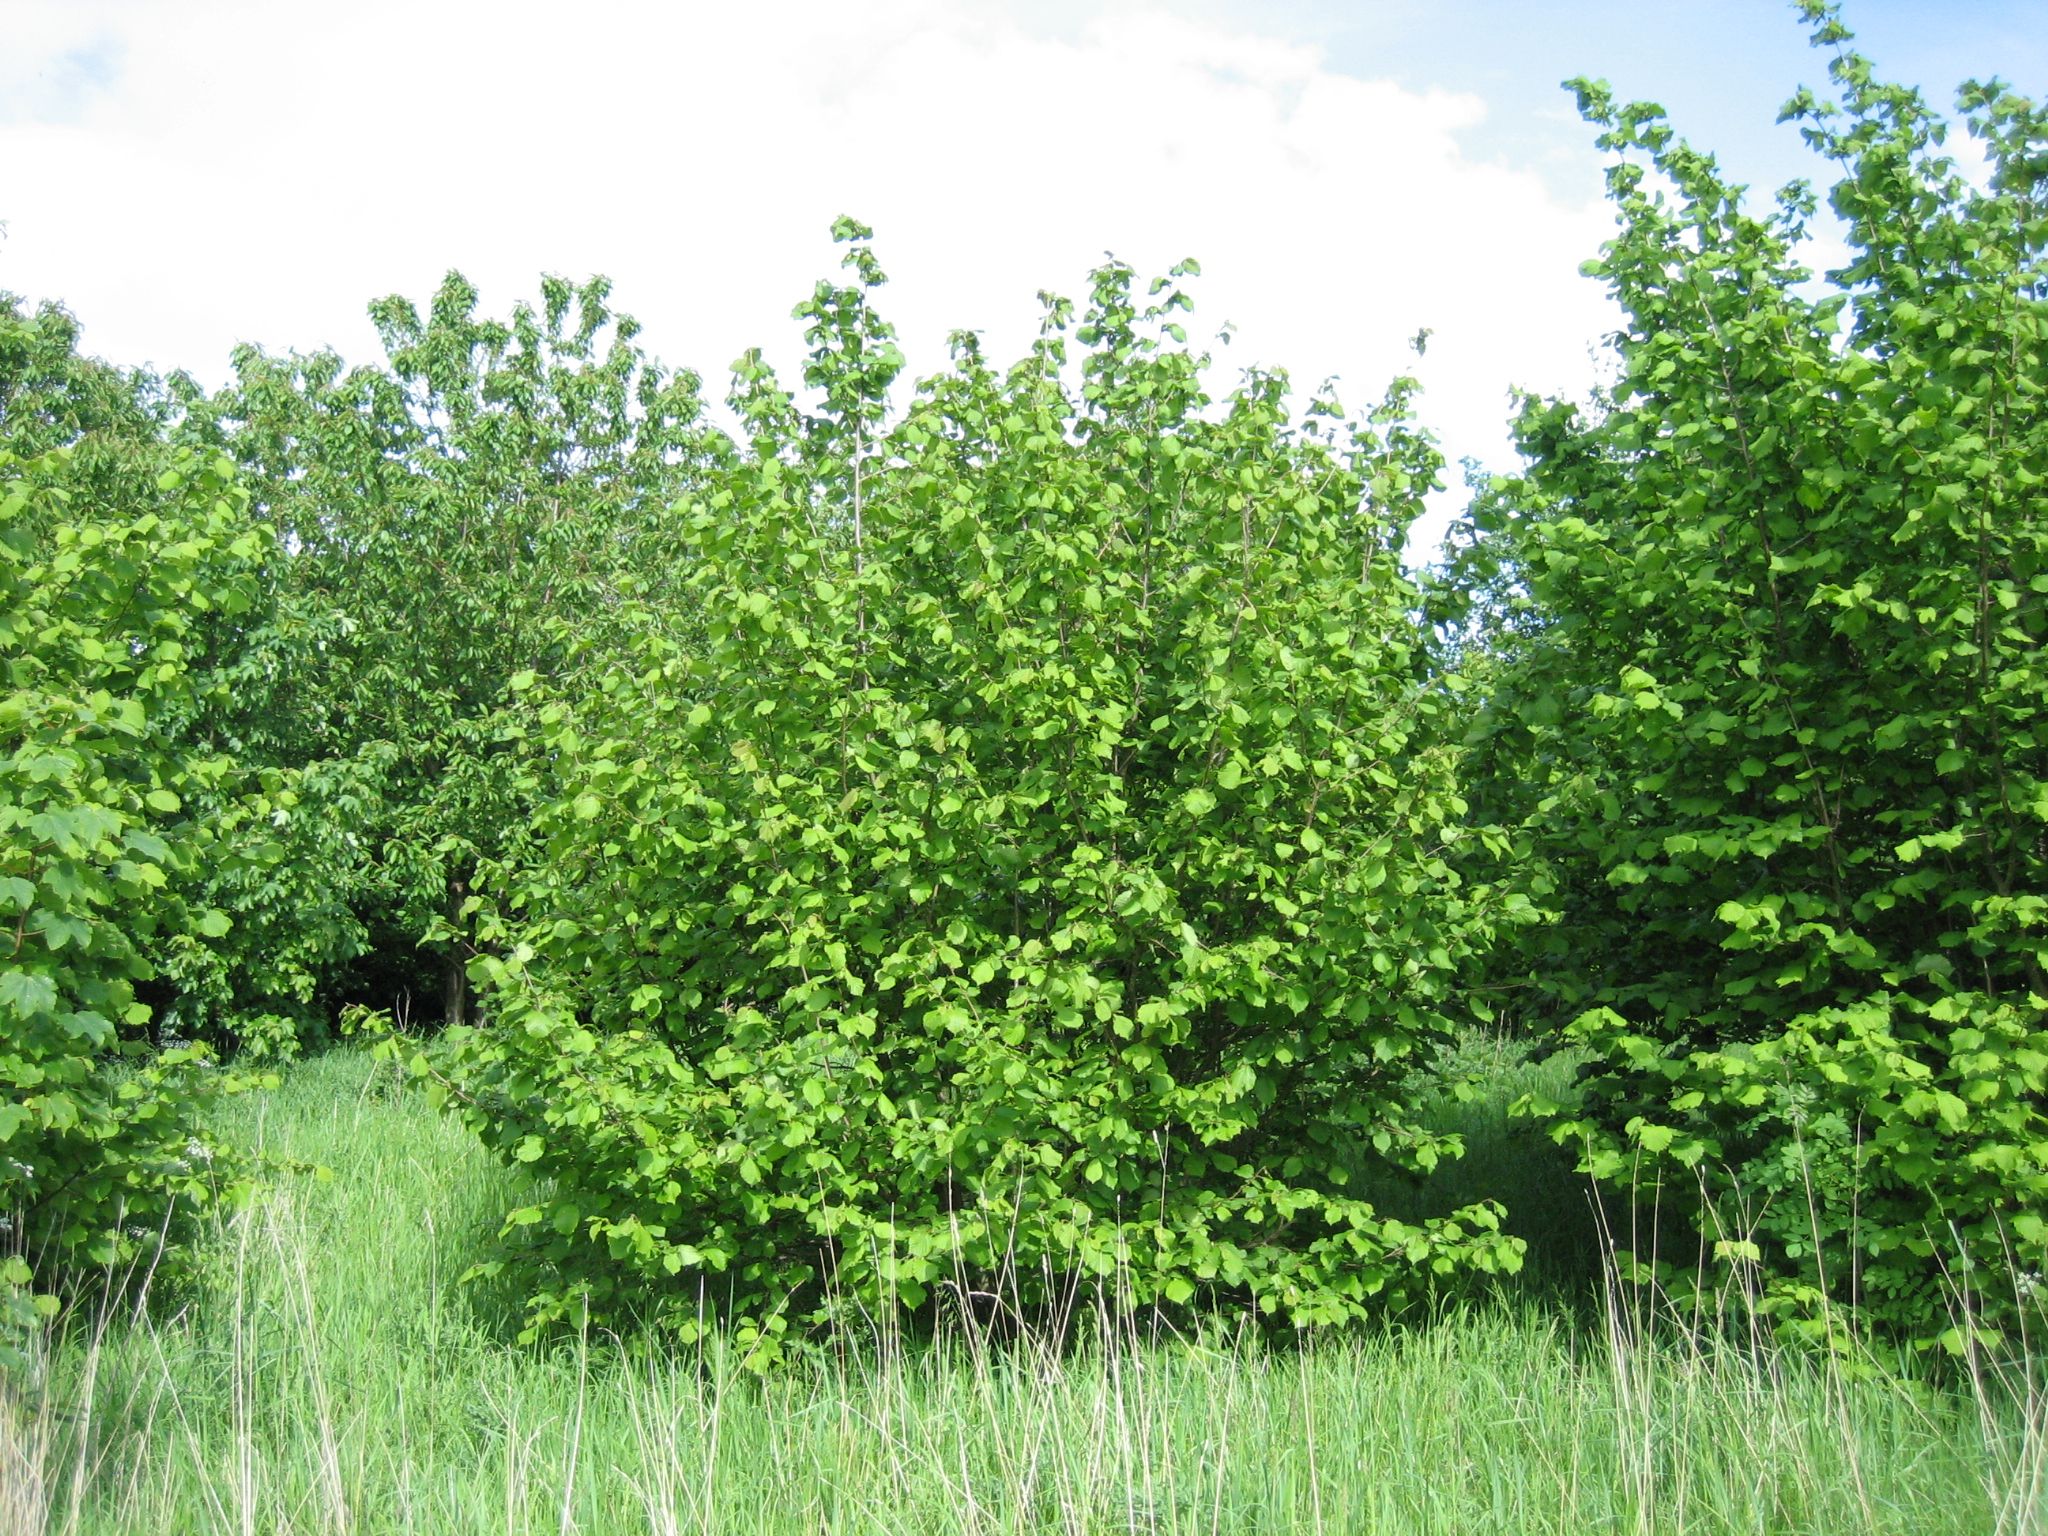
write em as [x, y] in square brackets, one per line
[328, 1376]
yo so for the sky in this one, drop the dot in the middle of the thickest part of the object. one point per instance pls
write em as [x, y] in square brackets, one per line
[189, 176]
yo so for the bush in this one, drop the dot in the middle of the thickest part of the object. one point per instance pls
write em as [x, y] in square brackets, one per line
[101, 1154]
[273, 844]
[1771, 700]
[1021, 861]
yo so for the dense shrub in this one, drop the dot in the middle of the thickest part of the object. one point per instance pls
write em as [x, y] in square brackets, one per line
[1770, 700]
[101, 1154]
[1026, 867]
[281, 856]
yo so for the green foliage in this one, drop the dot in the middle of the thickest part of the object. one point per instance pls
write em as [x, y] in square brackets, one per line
[1769, 702]
[1021, 863]
[445, 519]
[1031, 840]
[284, 859]
[112, 420]
[276, 857]
[101, 1156]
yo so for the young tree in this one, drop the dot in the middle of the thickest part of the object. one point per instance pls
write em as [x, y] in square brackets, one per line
[279, 859]
[1770, 694]
[1031, 869]
[457, 514]
[102, 1154]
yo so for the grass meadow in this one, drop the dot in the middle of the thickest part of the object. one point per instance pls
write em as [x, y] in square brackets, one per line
[329, 1375]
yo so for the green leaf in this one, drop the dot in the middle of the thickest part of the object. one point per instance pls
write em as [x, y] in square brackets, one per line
[27, 993]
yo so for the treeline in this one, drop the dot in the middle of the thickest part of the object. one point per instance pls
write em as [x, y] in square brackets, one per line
[1036, 833]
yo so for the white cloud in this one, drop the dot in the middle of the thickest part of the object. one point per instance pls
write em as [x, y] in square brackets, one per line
[218, 172]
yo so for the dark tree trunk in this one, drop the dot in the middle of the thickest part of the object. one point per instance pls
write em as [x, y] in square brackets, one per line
[455, 972]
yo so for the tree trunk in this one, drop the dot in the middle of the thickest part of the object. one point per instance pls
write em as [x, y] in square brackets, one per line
[455, 967]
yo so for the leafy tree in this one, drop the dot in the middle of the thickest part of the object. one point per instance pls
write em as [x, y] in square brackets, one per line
[1770, 696]
[1020, 861]
[101, 1150]
[51, 396]
[446, 519]
[277, 858]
